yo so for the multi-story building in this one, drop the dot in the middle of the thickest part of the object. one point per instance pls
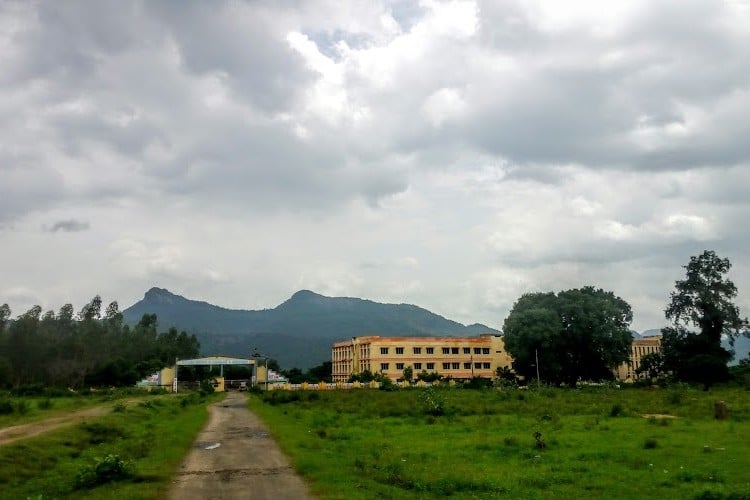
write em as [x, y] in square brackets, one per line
[638, 349]
[457, 357]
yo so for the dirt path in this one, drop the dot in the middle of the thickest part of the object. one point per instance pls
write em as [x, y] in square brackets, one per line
[235, 458]
[23, 431]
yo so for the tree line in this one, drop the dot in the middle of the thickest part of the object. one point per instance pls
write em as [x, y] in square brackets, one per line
[89, 348]
[584, 334]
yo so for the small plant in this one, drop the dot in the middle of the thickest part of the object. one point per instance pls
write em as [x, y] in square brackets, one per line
[119, 407]
[510, 441]
[44, 404]
[540, 444]
[432, 402]
[616, 410]
[650, 444]
[22, 407]
[105, 470]
[6, 407]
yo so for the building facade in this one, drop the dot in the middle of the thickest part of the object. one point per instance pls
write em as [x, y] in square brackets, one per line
[638, 349]
[455, 357]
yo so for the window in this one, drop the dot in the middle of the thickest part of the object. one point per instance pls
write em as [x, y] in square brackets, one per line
[485, 350]
[399, 350]
[467, 350]
[486, 366]
[455, 366]
[417, 350]
[383, 366]
[467, 366]
[477, 365]
[446, 350]
[417, 366]
[430, 366]
[430, 350]
[454, 350]
[477, 350]
[383, 350]
[399, 366]
[446, 366]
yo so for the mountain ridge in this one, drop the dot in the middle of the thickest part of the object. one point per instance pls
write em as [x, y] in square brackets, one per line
[299, 331]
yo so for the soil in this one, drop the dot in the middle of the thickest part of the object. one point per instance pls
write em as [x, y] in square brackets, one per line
[234, 457]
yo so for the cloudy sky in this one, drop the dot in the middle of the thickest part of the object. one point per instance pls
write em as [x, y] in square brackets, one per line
[453, 155]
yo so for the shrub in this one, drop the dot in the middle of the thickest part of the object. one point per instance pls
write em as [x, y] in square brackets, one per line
[6, 407]
[22, 407]
[119, 407]
[44, 404]
[106, 470]
[433, 402]
[650, 444]
[616, 410]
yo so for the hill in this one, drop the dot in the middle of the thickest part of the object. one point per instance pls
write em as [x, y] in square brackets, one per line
[299, 331]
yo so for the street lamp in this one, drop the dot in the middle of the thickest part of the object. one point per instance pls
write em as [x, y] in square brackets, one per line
[258, 355]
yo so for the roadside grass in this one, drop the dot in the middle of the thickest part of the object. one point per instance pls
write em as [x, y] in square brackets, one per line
[18, 410]
[131, 453]
[545, 443]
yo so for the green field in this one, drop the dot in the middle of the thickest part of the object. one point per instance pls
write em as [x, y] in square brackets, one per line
[545, 443]
[130, 453]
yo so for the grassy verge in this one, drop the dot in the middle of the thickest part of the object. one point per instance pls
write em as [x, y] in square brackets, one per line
[131, 453]
[538, 444]
[17, 410]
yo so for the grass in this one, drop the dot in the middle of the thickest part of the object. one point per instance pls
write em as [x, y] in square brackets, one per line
[138, 447]
[546, 443]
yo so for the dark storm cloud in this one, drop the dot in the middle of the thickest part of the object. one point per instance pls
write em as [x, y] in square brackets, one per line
[68, 226]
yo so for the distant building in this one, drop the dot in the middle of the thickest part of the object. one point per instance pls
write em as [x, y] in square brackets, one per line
[456, 357]
[638, 349]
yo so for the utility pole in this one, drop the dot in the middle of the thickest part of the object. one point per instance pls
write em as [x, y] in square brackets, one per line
[536, 357]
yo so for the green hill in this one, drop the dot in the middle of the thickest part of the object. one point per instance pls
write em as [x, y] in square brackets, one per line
[299, 332]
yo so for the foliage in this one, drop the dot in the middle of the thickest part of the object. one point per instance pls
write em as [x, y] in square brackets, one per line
[652, 365]
[320, 373]
[103, 470]
[408, 373]
[575, 334]
[704, 301]
[87, 349]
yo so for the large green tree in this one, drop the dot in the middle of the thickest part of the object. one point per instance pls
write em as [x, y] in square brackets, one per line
[579, 334]
[702, 312]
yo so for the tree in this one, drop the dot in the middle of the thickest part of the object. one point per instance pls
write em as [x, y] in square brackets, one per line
[575, 334]
[702, 312]
[407, 374]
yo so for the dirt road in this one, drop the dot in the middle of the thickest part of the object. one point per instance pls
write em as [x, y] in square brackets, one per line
[16, 432]
[235, 458]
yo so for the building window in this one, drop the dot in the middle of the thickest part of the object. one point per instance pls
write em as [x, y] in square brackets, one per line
[467, 366]
[446, 350]
[477, 350]
[399, 350]
[430, 350]
[383, 350]
[446, 366]
[454, 350]
[477, 365]
[417, 350]
[485, 350]
[383, 366]
[455, 366]
[486, 366]
[399, 366]
[467, 350]
[430, 366]
[417, 366]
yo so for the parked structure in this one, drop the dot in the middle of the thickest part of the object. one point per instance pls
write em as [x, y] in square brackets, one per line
[457, 357]
[638, 349]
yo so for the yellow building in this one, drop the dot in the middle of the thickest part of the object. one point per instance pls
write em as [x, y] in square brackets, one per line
[638, 349]
[456, 357]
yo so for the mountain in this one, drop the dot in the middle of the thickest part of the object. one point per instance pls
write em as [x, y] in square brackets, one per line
[298, 332]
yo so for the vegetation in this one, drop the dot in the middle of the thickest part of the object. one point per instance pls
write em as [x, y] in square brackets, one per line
[130, 453]
[63, 350]
[703, 300]
[593, 442]
[565, 337]
[319, 373]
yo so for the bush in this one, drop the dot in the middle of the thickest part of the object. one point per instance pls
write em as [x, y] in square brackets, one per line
[44, 404]
[650, 444]
[6, 407]
[616, 410]
[106, 470]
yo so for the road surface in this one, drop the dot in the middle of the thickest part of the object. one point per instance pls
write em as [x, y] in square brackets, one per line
[234, 457]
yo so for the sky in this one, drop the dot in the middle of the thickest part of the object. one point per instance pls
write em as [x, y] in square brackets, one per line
[454, 155]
